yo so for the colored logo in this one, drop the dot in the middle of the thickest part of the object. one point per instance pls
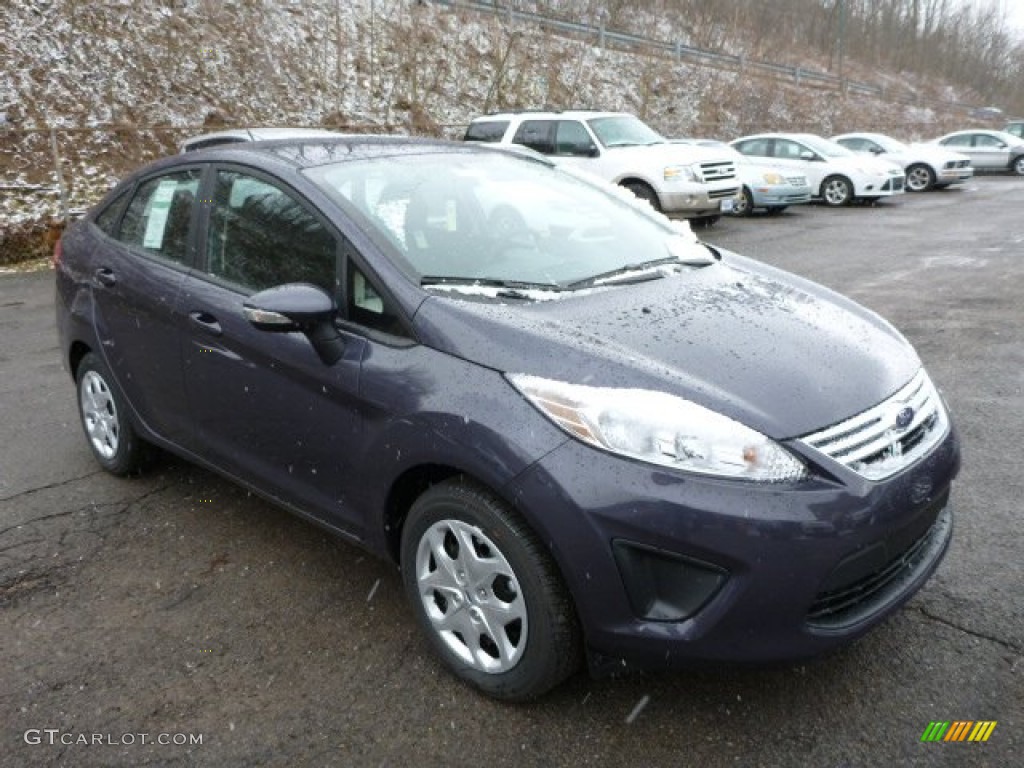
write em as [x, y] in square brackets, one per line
[959, 730]
[904, 417]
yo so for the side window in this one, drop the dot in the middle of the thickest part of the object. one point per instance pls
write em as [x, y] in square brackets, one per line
[788, 150]
[754, 148]
[963, 140]
[367, 306]
[108, 219]
[536, 134]
[571, 138]
[984, 140]
[491, 130]
[261, 236]
[857, 145]
[158, 217]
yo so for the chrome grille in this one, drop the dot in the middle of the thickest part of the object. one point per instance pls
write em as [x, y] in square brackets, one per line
[718, 171]
[875, 444]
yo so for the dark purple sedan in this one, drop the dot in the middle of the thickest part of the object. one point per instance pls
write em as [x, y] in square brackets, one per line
[578, 431]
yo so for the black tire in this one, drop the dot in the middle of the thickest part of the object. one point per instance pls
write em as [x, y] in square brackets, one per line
[644, 192]
[744, 205]
[1017, 165]
[106, 421]
[775, 210]
[510, 566]
[920, 178]
[837, 191]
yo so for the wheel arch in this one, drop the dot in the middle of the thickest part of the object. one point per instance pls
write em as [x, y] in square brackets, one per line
[78, 350]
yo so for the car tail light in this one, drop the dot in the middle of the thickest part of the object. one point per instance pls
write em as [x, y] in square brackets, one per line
[58, 252]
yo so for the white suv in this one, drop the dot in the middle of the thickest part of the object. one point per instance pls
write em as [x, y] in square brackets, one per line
[695, 182]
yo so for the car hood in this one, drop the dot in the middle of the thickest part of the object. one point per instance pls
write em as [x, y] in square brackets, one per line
[776, 352]
[669, 153]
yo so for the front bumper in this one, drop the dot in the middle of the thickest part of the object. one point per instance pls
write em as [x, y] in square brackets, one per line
[879, 186]
[809, 566]
[955, 175]
[693, 199]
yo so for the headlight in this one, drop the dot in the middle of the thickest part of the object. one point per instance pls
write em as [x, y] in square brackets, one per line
[773, 178]
[662, 429]
[680, 173]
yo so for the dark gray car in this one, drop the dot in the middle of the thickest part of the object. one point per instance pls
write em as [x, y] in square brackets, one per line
[579, 432]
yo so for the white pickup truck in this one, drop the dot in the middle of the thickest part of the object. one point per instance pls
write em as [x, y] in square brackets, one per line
[690, 181]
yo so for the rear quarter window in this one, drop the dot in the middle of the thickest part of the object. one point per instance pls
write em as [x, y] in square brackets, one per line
[489, 131]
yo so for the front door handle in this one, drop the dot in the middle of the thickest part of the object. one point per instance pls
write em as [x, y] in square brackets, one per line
[105, 276]
[206, 321]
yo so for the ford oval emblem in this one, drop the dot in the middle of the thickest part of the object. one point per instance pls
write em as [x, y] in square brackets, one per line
[904, 417]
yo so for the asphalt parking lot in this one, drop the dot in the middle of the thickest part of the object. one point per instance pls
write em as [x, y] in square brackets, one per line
[176, 605]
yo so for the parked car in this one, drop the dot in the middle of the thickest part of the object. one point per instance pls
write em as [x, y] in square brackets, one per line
[927, 166]
[763, 186]
[837, 175]
[1016, 128]
[988, 150]
[571, 438]
[694, 182]
[238, 135]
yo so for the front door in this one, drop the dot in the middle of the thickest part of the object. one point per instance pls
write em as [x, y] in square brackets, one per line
[267, 409]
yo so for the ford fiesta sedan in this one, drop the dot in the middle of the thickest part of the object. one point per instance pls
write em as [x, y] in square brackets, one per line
[579, 432]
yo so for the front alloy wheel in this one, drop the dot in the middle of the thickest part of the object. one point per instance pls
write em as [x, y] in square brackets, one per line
[486, 592]
[920, 178]
[836, 191]
[1018, 165]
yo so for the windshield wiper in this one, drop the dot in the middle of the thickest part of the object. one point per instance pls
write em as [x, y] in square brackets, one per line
[506, 289]
[488, 282]
[631, 273]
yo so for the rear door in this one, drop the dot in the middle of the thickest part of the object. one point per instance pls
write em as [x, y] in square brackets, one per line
[138, 273]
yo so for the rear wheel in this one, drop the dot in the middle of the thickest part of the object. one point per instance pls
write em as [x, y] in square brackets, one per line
[837, 191]
[1017, 166]
[644, 192]
[104, 414]
[487, 594]
[920, 178]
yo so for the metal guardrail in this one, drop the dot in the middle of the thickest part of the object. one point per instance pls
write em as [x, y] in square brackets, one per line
[680, 50]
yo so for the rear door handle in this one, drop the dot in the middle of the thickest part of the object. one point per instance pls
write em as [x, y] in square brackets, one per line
[206, 321]
[105, 276]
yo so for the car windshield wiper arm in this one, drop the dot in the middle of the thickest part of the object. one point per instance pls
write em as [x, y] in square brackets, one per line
[631, 273]
[488, 282]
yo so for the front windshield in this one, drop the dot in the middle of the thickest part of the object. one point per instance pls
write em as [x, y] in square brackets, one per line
[891, 145]
[825, 147]
[494, 217]
[624, 131]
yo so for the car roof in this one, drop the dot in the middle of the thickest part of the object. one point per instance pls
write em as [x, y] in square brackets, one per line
[580, 114]
[298, 154]
[239, 135]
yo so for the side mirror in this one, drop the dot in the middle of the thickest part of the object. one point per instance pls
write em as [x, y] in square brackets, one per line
[592, 151]
[298, 307]
[877, 151]
[808, 155]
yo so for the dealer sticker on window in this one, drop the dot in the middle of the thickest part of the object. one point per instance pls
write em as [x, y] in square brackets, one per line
[159, 208]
